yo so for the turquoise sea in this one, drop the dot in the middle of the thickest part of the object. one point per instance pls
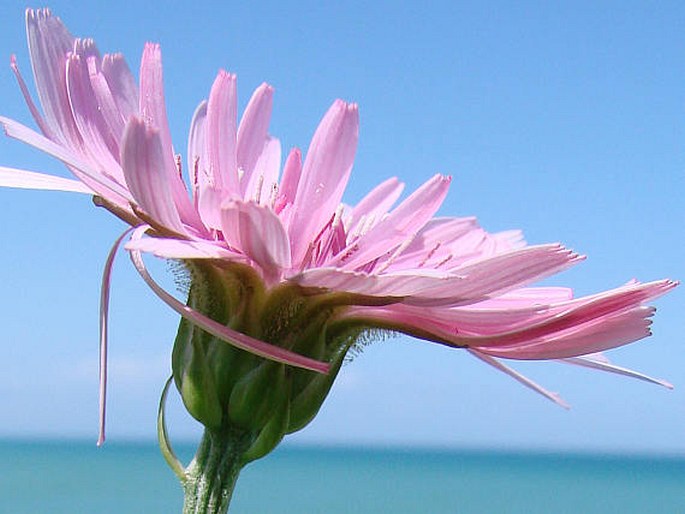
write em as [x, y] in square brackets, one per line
[76, 477]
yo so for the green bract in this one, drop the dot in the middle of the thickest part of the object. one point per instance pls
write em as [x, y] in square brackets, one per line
[228, 389]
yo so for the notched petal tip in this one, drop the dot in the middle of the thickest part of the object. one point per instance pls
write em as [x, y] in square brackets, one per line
[266, 88]
[225, 75]
[5, 128]
[152, 49]
[37, 14]
[344, 108]
[668, 284]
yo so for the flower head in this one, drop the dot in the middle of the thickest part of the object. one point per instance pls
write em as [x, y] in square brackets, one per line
[278, 265]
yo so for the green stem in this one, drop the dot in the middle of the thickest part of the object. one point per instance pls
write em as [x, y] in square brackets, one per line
[212, 475]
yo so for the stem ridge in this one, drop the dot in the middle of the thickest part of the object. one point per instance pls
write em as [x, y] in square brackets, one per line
[213, 473]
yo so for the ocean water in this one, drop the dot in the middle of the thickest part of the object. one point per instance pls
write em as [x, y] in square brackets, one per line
[75, 477]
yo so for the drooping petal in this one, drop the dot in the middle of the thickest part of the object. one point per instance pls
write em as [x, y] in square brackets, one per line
[230, 336]
[23, 179]
[599, 362]
[143, 160]
[554, 397]
[325, 173]
[253, 132]
[104, 320]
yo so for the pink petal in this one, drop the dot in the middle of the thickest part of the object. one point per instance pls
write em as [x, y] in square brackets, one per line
[509, 240]
[601, 363]
[230, 336]
[197, 158]
[181, 249]
[499, 274]
[430, 287]
[461, 326]
[291, 178]
[432, 245]
[263, 184]
[465, 249]
[153, 111]
[143, 161]
[107, 105]
[398, 285]
[98, 140]
[542, 331]
[521, 379]
[325, 174]
[49, 43]
[401, 224]
[151, 101]
[376, 203]
[252, 132]
[101, 184]
[529, 297]
[579, 326]
[211, 147]
[604, 333]
[22, 179]
[104, 310]
[37, 116]
[209, 202]
[258, 233]
[221, 136]
[121, 84]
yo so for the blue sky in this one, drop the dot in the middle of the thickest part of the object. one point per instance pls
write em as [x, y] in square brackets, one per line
[565, 119]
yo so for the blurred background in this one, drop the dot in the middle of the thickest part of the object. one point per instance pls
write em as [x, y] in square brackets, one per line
[564, 119]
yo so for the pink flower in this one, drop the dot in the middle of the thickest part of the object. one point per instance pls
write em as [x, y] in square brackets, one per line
[398, 268]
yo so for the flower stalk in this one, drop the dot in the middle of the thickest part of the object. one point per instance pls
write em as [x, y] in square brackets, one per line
[211, 477]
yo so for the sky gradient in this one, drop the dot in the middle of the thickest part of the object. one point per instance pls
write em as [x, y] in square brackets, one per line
[563, 119]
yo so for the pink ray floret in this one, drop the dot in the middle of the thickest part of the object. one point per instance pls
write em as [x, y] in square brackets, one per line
[402, 268]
